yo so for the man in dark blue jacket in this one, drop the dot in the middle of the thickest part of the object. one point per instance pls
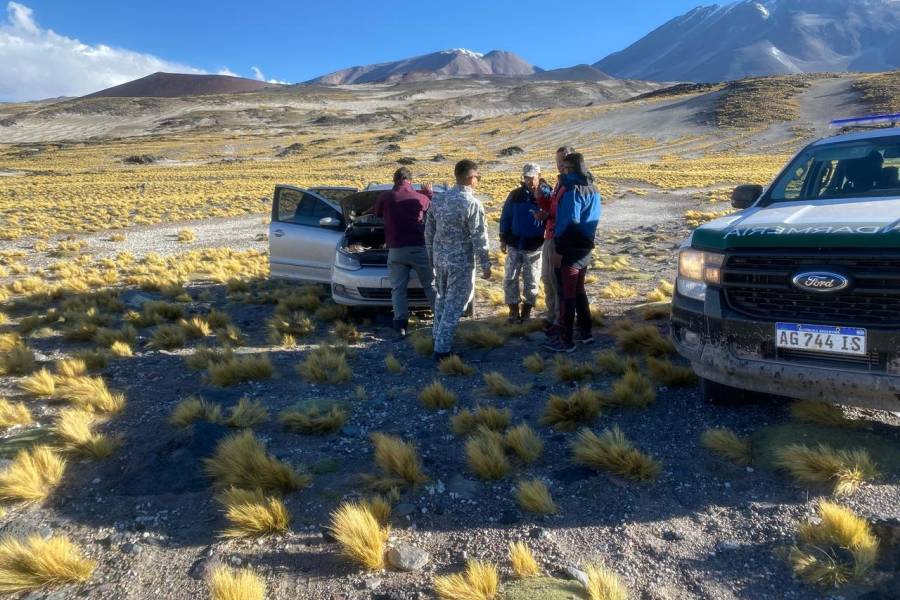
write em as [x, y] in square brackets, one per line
[577, 217]
[521, 238]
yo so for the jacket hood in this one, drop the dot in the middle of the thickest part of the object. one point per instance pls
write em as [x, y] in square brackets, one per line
[869, 223]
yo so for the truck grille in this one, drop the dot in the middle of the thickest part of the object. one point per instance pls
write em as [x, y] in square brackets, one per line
[758, 284]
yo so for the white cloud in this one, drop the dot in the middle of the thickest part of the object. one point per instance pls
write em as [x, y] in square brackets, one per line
[227, 71]
[38, 63]
[258, 75]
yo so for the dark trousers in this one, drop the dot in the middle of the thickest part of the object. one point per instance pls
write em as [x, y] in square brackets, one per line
[574, 306]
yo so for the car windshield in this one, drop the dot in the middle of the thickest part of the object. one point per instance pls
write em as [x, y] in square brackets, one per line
[857, 169]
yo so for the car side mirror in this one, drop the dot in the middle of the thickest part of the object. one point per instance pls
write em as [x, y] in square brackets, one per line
[329, 222]
[745, 196]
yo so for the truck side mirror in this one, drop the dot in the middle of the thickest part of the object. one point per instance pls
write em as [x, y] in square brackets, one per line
[745, 196]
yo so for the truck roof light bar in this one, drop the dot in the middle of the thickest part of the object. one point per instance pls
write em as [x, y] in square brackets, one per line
[891, 119]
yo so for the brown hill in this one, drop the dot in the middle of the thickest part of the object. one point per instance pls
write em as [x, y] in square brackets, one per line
[173, 85]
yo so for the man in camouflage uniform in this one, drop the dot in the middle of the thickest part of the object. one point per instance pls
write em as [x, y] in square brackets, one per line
[455, 234]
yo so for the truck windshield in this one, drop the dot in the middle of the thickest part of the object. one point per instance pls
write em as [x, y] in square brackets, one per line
[858, 169]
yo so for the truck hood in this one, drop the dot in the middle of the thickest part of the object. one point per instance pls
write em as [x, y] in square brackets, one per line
[844, 223]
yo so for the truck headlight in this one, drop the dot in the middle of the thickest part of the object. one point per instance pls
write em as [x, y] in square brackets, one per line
[696, 270]
[343, 260]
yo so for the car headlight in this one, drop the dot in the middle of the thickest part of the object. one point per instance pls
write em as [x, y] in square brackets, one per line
[696, 270]
[345, 261]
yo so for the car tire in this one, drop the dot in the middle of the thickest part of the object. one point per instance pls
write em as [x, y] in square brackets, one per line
[720, 394]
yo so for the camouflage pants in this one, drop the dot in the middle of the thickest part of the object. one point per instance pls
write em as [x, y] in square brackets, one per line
[455, 287]
[524, 265]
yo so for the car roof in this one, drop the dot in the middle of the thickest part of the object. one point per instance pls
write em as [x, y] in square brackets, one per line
[380, 187]
[871, 134]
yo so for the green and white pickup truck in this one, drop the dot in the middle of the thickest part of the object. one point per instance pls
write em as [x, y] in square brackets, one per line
[798, 294]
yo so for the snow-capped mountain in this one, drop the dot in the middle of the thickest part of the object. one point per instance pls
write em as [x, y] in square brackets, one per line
[746, 38]
[445, 64]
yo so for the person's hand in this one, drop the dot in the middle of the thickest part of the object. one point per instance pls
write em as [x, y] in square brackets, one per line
[503, 248]
[428, 188]
[486, 273]
[557, 260]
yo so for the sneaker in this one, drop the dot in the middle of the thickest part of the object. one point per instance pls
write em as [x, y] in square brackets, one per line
[558, 345]
[584, 338]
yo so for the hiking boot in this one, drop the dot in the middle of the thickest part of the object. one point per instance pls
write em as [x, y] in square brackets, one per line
[584, 338]
[526, 312]
[513, 313]
[401, 326]
[560, 345]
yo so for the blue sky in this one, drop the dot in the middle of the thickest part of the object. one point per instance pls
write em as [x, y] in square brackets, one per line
[295, 41]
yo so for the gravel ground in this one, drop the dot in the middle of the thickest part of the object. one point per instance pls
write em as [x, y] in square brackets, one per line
[704, 529]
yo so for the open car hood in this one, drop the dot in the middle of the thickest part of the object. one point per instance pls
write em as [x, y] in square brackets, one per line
[354, 205]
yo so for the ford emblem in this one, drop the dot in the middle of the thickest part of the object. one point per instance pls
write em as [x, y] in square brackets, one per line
[820, 281]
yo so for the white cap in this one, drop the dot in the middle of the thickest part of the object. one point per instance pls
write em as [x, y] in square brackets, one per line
[531, 170]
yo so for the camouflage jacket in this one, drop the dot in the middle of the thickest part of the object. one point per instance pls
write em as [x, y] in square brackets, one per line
[456, 231]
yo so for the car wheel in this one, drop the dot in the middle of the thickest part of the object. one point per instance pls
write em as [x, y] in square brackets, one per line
[722, 395]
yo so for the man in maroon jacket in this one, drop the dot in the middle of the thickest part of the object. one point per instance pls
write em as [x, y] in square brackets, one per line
[403, 210]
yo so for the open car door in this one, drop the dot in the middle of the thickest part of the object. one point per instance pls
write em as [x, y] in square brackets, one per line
[304, 233]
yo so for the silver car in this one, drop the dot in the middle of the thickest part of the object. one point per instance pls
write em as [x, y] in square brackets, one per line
[323, 235]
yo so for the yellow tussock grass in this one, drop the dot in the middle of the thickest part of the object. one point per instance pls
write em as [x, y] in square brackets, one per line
[664, 372]
[604, 584]
[196, 328]
[167, 337]
[19, 360]
[398, 459]
[326, 365]
[247, 413]
[92, 359]
[846, 470]
[241, 461]
[479, 581]
[617, 291]
[331, 312]
[90, 393]
[454, 365]
[250, 513]
[612, 451]
[230, 584]
[522, 560]
[379, 506]
[361, 537]
[193, 409]
[481, 336]
[12, 414]
[498, 385]
[314, 419]
[727, 444]
[820, 413]
[485, 455]
[489, 417]
[422, 343]
[346, 332]
[533, 496]
[611, 362]
[40, 562]
[203, 357]
[74, 427]
[569, 370]
[633, 390]
[41, 383]
[435, 396]
[32, 475]
[71, 367]
[643, 339]
[121, 350]
[524, 443]
[534, 363]
[8, 341]
[248, 367]
[393, 365]
[566, 413]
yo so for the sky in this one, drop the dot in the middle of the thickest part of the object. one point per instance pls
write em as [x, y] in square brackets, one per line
[51, 48]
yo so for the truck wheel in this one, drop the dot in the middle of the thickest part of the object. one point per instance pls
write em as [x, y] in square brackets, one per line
[722, 395]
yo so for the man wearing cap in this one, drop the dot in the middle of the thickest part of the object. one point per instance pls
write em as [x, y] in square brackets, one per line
[522, 238]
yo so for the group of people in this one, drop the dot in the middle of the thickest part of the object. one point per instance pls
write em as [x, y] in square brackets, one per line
[546, 232]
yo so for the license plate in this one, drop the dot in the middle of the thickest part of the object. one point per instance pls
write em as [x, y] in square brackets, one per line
[821, 338]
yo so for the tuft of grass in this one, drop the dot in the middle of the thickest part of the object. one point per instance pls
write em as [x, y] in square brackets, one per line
[398, 459]
[569, 370]
[522, 560]
[846, 470]
[820, 413]
[195, 328]
[230, 335]
[498, 385]
[331, 312]
[32, 475]
[13, 414]
[479, 581]
[534, 363]
[247, 413]
[346, 332]
[41, 383]
[422, 343]
[94, 360]
[167, 337]
[314, 419]
[90, 393]
[203, 357]
[611, 362]
[186, 235]
[633, 390]
[617, 291]
[40, 562]
[488, 417]
[326, 364]
[604, 584]
[643, 339]
[524, 443]
[18, 360]
[435, 396]
[193, 409]
[107, 337]
[379, 506]
[533, 496]
[664, 372]
[567, 413]
[481, 336]
[249, 367]
[454, 365]
[121, 350]
[485, 456]
[612, 451]
[361, 536]
[229, 584]
[241, 461]
[74, 427]
[10, 340]
[250, 513]
[839, 548]
[393, 365]
[727, 444]
[71, 367]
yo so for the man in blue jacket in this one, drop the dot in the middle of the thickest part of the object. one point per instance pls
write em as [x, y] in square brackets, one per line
[521, 238]
[577, 217]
